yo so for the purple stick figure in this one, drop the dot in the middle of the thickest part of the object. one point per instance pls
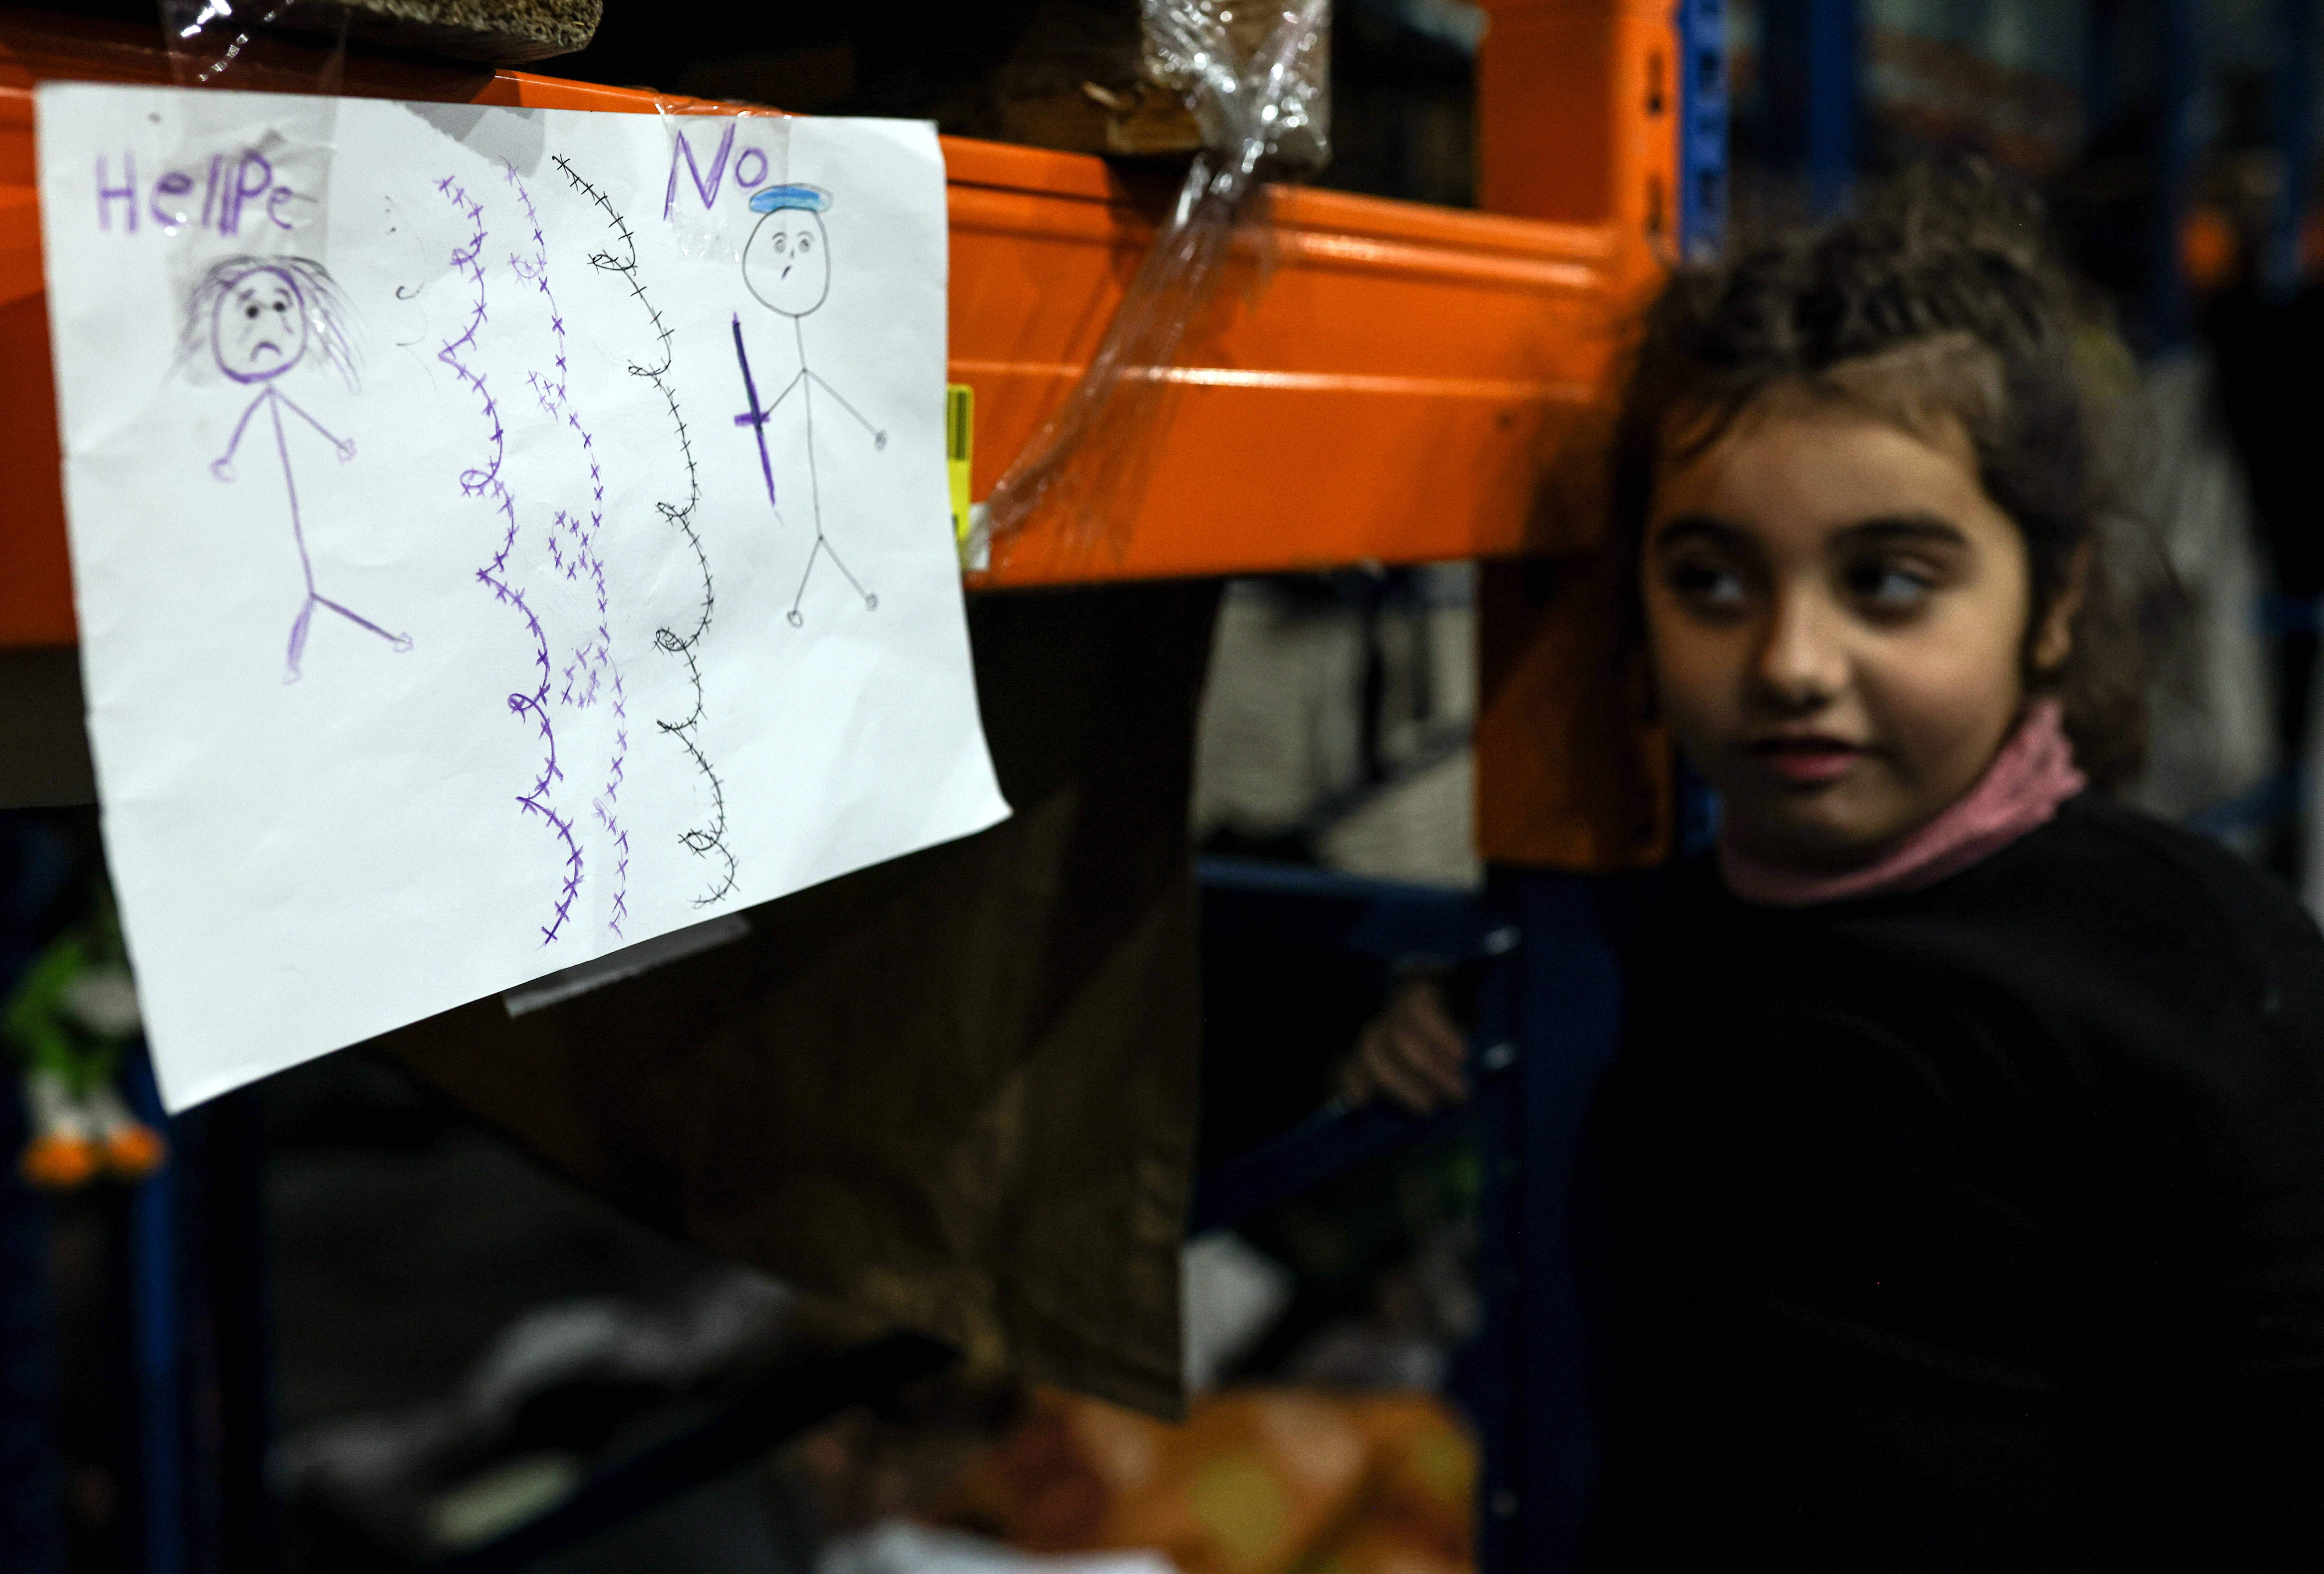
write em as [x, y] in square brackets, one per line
[257, 319]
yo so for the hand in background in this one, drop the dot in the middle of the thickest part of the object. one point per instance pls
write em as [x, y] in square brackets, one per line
[1411, 1052]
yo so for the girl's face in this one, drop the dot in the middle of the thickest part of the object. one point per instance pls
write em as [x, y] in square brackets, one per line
[1838, 614]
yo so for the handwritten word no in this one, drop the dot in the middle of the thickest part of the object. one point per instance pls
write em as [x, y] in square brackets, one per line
[234, 193]
[749, 169]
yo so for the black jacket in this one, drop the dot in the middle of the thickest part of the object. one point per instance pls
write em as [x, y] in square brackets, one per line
[1979, 1227]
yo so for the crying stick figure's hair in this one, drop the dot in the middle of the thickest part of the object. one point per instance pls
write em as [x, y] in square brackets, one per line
[330, 321]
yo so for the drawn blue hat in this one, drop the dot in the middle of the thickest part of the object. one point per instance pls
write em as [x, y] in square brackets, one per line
[775, 198]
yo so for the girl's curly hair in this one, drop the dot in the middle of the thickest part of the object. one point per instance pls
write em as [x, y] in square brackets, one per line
[1939, 299]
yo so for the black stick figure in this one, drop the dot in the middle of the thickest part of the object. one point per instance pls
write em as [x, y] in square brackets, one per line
[257, 320]
[787, 264]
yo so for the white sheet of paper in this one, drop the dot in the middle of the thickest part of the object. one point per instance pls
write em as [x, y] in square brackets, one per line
[498, 537]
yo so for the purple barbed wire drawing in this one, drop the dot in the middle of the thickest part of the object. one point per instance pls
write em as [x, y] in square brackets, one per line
[592, 674]
[256, 319]
[484, 482]
[787, 267]
[707, 841]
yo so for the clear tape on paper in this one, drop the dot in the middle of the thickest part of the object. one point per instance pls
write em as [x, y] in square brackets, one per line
[556, 988]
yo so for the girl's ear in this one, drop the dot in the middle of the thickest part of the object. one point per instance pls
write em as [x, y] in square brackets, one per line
[2054, 641]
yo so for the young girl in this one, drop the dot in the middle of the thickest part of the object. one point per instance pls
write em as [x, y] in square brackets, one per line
[1964, 1169]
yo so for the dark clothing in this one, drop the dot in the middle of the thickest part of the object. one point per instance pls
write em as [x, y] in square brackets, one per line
[1979, 1227]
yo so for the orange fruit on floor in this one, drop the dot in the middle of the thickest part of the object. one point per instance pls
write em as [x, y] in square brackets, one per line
[135, 1152]
[55, 1163]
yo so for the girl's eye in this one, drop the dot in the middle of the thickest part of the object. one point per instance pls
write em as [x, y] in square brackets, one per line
[806, 243]
[251, 312]
[1889, 587]
[1708, 586]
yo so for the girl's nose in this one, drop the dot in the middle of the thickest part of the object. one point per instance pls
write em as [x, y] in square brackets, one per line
[1800, 664]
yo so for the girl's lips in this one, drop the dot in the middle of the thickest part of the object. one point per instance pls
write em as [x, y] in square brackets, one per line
[1808, 761]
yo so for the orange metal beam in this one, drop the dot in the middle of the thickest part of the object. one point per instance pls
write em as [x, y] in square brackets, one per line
[1577, 116]
[1385, 386]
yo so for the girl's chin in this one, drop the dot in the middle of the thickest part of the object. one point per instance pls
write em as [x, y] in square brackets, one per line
[1822, 834]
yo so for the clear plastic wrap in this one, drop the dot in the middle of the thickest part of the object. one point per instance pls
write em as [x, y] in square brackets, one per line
[1257, 81]
[1257, 76]
[219, 43]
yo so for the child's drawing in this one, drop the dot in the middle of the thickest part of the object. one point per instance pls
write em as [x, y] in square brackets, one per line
[787, 264]
[632, 697]
[257, 319]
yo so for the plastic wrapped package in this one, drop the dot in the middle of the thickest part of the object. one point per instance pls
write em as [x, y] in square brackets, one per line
[1076, 79]
[1256, 81]
[1257, 78]
[219, 42]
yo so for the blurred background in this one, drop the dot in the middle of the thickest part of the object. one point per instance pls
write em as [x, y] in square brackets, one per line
[455, 1343]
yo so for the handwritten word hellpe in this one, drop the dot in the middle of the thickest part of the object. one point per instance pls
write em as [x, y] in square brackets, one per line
[234, 191]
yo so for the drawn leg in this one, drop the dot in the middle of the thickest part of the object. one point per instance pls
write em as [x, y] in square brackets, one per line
[298, 538]
[814, 495]
[794, 617]
[400, 641]
[299, 638]
[290, 490]
[870, 602]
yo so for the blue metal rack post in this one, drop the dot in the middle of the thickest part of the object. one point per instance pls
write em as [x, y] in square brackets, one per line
[1808, 53]
[156, 1330]
[31, 1484]
[34, 863]
[1557, 997]
[1703, 129]
[202, 1328]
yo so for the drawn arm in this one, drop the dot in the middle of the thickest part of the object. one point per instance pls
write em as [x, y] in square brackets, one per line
[879, 437]
[796, 378]
[345, 446]
[223, 465]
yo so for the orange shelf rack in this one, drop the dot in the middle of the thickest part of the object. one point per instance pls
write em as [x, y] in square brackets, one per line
[1386, 386]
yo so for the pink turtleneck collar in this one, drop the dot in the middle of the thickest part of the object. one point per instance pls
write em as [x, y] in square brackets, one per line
[2021, 789]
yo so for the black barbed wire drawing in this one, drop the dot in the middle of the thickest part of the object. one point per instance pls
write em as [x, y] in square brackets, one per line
[257, 319]
[786, 268]
[707, 841]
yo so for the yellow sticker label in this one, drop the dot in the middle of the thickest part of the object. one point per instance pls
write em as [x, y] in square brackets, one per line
[960, 439]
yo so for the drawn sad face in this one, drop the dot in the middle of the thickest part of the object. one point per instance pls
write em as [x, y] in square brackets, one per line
[259, 328]
[787, 262]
